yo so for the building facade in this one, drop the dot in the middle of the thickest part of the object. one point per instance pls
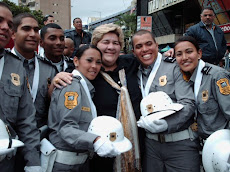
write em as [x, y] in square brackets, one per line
[171, 18]
[60, 9]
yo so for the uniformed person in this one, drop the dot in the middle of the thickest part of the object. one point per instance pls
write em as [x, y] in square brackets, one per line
[71, 112]
[16, 105]
[52, 40]
[169, 144]
[39, 72]
[211, 86]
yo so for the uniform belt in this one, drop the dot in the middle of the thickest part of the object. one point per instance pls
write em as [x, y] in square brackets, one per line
[71, 158]
[173, 137]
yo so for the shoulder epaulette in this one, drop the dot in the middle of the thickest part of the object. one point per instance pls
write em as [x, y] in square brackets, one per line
[12, 54]
[78, 77]
[206, 70]
[170, 59]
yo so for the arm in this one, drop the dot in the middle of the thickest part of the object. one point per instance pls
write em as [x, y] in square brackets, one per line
[184, 95]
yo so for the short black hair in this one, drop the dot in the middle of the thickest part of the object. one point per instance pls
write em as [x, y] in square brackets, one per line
[85, 47]
[50, 25]
[207, 8]
[46, 17]
[189, 39]
[142, 32]
[3, 4]
[18, 20]
[75, 19]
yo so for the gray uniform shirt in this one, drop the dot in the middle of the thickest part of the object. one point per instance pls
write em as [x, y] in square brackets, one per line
[69, 118]
[46, 73]
[16, 106]
[213, 100]
[170, 80]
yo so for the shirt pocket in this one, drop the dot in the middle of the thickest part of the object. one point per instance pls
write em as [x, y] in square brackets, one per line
[10, 98]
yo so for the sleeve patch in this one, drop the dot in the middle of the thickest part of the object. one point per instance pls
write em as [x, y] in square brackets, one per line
[71, 100]
[224, 86]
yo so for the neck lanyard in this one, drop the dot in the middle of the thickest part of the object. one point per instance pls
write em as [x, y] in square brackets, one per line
[145, 91]
[83, 83]
[198, 79]
[34, 89]
[1, 66]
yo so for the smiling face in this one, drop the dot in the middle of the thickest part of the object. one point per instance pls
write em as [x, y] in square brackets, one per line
[187, 56]
[89, 63]
[26, 38]
[53, 44]
[77, 24]
[110, 48]
[6, 24]
[145, 49]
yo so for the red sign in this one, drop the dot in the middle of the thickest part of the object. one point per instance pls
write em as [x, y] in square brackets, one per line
[225, 28]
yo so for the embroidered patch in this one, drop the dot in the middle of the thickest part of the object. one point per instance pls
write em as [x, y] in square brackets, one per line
[205, 95]
[149, 108]
[113, 136]
[194, 126]
[87, 109]
[163, 80]
[71, 100]
[15, 79]
[224, 86]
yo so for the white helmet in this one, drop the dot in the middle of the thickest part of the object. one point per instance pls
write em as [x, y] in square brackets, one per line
[111, 129]
[158, 105]
[5, 140]
[216, 151]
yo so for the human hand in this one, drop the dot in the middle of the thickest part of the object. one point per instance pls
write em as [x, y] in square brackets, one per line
[62, 79]
[169, 53]
[105, 148]
[155, 126]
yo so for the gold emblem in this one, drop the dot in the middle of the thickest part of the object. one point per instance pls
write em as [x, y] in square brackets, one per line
[87, 109]
[15, 79]
[71, 99]
[205, 95]
[224, 86]
[163, 80]
[113, 136]
[149, 108]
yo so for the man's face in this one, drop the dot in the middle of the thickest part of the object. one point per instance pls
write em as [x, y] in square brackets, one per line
[53, 42]
[6, 24]
[207, 17]
[49, 20]
[26, 38]
[77, 24]
[145, 49]
[69, 47]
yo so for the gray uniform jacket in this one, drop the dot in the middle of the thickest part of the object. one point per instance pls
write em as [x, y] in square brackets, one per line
[69, 118]
[170, 80]
[213, 100]
[46, 73]
[16, 106]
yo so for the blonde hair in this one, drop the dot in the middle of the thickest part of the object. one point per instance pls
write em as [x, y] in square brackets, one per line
[100, 31]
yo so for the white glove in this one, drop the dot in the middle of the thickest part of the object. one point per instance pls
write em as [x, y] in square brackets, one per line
[227, 168]
[33, 169]
[105, 148]
[7, 152]
[155, 126]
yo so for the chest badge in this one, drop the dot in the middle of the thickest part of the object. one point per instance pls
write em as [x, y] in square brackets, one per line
[205, 95]
[15, 79]
[163, 80]
[71, 100]
[224, 86]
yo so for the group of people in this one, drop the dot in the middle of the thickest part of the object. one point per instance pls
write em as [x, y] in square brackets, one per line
[56, 97]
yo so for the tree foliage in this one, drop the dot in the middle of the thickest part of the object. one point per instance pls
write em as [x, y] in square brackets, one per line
[128, 24]
[17, 9]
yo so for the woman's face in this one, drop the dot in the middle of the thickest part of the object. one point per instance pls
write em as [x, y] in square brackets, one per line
[187, 56]
[89, 64]
[110, 48]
